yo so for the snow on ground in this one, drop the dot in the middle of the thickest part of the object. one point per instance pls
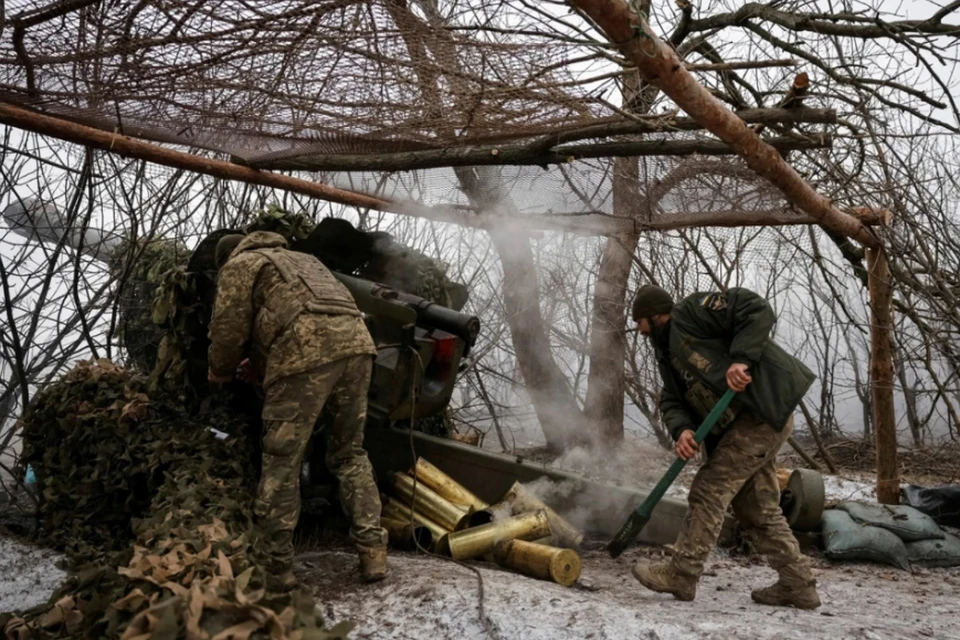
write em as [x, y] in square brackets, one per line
[838, 489]
[427, 597]
[30, 575]
[434, 598]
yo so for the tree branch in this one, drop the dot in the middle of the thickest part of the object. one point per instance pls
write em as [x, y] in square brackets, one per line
[525, 155]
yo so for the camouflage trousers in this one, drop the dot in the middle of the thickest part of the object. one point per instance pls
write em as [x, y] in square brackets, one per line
[291, 409]
[742, 471]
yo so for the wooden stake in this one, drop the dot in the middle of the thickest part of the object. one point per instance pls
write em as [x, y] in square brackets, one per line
[659, 65]
[881, 375]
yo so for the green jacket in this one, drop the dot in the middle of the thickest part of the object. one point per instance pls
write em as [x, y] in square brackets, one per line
[710, 331]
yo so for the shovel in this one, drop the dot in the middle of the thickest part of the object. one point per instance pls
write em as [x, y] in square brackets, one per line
[639, 518]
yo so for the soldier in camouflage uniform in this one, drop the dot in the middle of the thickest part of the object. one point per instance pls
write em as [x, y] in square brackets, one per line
[704, 344]
[309, 346]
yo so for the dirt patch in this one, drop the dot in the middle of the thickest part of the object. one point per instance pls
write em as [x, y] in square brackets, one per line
[930, 466]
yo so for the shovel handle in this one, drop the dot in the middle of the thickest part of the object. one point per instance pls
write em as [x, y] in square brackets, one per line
[647, 506]
[641, 516]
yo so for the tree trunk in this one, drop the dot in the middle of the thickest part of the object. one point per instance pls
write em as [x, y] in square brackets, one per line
[910, 399]
[881, 376]
[606, 382]
[553, 401]
[552, 398]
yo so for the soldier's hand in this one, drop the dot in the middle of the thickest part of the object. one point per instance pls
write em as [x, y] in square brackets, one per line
[246, 373]
[212, 377]
[737, 377]
[687, 447]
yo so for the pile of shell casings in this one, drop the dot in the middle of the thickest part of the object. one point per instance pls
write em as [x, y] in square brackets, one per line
[428, 510]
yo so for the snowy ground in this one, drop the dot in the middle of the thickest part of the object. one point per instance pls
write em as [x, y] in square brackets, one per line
[30, 575]
[434, 598]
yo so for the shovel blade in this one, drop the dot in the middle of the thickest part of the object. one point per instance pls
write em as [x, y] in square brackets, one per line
[628, 533]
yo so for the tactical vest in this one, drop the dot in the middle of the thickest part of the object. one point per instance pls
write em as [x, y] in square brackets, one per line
[701, 398]
[307, 287]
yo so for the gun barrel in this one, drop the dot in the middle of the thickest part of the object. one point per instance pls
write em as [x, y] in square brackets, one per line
[364, 293]
[370, 295]
[430, 313]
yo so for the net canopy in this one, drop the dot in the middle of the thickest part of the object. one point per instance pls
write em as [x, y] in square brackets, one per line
[378, 86]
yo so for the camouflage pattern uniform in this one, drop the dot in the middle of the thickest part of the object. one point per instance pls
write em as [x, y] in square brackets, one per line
[309, 345]
[741, 471]
[706, 333]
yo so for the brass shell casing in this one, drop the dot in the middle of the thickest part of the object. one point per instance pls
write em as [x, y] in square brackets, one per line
[539, 561]
[403, 535]
[396, 510]
[446, 486]
[428, 502]
[478, 541]
[519, 499]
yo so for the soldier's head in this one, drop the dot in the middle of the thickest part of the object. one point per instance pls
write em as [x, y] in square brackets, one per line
[651, 308]
[225, 247]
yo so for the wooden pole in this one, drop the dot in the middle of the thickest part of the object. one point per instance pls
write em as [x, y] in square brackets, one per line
[660, 66]
[124, 146]
[881, 375]
[578, 222]
[803, 454]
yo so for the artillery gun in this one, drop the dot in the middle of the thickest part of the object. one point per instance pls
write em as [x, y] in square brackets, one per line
[421, 346]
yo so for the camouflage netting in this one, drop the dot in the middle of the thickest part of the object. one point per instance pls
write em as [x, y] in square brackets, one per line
[148, 264]
[155, 512]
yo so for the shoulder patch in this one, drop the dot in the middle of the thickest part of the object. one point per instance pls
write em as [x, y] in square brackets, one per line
[714, 301]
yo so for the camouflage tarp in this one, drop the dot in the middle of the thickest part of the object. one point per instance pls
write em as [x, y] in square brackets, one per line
[155, 512]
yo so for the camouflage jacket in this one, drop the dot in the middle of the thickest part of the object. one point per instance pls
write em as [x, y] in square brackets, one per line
[710, 331]
[282, 308]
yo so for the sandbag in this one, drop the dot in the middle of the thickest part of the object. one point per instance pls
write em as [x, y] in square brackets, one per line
[906, 522]
[935, 553]
[844, 539]
[940, 503]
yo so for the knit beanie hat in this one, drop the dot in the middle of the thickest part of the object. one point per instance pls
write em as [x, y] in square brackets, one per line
[651, 300]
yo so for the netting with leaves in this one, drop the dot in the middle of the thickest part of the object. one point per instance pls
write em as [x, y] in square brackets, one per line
[156, 513]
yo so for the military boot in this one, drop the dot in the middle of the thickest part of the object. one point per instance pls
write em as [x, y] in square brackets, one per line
[663, 578]
[281, 582]
[373, 563]
[801, 596]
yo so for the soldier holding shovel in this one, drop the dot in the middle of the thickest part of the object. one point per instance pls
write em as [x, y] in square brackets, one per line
[704, 344]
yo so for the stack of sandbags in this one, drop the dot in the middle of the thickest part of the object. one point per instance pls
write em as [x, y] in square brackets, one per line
[890, 534]
[428, 509]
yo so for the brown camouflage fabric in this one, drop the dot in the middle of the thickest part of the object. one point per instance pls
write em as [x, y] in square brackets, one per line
[742, 471]
[286, 307]
[293, 404]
